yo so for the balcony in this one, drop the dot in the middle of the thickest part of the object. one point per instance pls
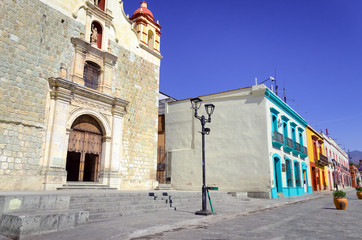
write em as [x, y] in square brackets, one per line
[288, 144]
[323, 160]
[277, 139]
[304, 152]
[296, 149]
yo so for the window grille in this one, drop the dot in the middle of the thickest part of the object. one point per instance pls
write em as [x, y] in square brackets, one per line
[91, 75]
[289, 174]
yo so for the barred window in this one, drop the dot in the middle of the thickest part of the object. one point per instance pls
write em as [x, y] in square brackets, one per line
[91, 75]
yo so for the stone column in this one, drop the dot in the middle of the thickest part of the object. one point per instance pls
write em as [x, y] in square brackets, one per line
[109, 61]
[88, 26]
[55, 175]
[79, 60]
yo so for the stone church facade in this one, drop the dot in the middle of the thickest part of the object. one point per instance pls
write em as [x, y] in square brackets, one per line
[79, 83]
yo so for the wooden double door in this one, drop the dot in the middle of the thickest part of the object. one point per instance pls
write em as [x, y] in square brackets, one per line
[84, 150]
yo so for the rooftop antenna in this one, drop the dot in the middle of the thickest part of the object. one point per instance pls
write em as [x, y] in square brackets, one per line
[285, 98]
[275, 81]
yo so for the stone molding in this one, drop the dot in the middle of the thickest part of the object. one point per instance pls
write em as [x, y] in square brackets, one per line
[66, 89]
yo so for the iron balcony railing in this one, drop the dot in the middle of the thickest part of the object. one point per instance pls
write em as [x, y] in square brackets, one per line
[297, 146]
[288, 142]
[304, 150]
[278, 137]
[323, 160]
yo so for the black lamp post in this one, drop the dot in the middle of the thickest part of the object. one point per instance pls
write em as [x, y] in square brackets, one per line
[196, 104]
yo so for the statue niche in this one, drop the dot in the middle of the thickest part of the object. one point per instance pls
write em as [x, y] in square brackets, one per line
[96, 35]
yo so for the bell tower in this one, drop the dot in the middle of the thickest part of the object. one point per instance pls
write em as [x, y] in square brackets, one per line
[147, 29]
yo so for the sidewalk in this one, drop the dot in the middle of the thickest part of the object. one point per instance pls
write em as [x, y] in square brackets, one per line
[128, 227]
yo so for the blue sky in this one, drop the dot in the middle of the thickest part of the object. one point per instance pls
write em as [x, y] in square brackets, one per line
[315, 46]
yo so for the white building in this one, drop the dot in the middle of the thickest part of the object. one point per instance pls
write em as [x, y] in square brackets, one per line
[338, 169]
[256, 145]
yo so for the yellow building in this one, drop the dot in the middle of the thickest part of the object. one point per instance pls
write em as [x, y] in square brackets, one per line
[318, 160]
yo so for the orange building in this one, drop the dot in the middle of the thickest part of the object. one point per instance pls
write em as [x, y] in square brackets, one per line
[317, 160]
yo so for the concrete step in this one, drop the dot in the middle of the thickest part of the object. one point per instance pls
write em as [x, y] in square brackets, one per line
[85, 186]
[20, 225]
[163, 187]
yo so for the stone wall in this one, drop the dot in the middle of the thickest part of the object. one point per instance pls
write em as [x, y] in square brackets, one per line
[136, 81]
[34, 45]
[34, 42]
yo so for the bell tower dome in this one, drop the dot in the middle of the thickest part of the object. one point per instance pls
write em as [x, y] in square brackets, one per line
[147, 29]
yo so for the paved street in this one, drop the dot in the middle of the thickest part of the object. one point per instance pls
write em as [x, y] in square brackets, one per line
[310, 216]
[314, 219]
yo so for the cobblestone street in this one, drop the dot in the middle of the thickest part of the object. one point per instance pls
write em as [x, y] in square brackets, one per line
[314, 219]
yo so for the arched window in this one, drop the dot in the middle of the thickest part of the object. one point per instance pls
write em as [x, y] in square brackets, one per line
[150, 39]
[91, 74]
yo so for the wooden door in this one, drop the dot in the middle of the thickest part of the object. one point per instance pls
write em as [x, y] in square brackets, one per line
[85, 139]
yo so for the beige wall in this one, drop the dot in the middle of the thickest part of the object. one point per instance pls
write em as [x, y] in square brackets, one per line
[236, 150]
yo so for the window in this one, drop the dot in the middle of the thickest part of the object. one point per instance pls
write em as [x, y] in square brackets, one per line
[289, 173]
[274, 118]
[91, 75]
[315, 152]
[297, 175]
[300, 131]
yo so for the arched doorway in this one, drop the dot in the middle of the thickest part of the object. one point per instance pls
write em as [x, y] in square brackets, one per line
[84, 150]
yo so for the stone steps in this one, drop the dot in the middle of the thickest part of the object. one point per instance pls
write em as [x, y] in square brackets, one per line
[57, 211]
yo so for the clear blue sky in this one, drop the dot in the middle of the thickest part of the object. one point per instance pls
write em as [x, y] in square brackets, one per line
[314, 45]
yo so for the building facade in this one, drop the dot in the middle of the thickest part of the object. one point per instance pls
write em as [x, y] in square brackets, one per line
[256, 145]
[318, 160]
[79, 87]
[163, 167]
[338, 163]
[355, 175]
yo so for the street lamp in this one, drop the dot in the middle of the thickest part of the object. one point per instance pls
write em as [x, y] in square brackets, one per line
[196, 104]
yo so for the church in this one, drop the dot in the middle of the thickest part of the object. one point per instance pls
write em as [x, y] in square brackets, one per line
[79, 87]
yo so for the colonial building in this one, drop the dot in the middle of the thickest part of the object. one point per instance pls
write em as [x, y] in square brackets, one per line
[318, 160]
[338, 162]
[256, 144]
[79, 87]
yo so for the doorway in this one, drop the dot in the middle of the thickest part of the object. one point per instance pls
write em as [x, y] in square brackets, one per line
[84, 150]
[278, 175]
[314, 180]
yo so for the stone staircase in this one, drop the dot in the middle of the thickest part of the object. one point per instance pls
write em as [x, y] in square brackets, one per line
[29, 214]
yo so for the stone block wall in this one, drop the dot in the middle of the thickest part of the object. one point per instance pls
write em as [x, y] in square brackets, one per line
[34, 43]
[136, 81]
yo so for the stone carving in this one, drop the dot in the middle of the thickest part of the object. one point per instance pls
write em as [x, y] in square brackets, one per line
[94, 35]
[96, 2]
